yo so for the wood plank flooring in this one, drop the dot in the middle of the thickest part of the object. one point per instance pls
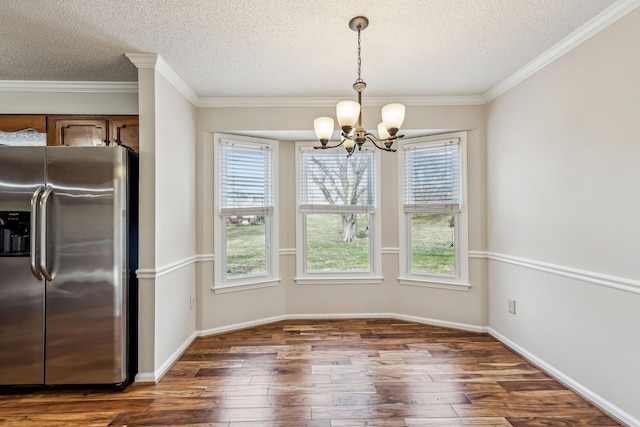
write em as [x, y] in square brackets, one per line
[325, 373]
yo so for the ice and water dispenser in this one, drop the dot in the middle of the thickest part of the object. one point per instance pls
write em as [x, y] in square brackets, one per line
[14, 233]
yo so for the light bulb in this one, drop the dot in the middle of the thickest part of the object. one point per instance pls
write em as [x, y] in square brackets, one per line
[349, 145]
[382, 131]
[392, 117]
[324, 129]
[347, 113]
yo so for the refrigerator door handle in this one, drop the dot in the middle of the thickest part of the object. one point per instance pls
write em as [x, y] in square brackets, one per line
[34, 233]
[42, 217]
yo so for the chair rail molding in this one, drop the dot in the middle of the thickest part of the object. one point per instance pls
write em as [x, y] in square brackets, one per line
[615, 282]
[154, 273]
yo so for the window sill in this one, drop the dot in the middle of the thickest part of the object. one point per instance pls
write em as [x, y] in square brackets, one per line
[344, 280]
[435, 283]
[223, 289]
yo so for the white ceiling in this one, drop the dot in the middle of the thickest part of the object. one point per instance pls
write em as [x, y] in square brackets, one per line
[289, 48]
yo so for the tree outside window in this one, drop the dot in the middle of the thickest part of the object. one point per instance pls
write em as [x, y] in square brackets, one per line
[337, 203]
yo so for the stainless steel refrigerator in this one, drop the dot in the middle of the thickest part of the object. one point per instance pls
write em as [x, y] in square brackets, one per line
[68, 254]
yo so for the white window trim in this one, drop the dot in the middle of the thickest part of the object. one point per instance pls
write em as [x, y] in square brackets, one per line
[347, 277]
[461, 280]
[272, 278]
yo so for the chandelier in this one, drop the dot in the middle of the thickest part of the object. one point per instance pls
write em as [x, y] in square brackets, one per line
[349, 114]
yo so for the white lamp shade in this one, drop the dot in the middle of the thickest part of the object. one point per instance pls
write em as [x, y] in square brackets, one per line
[392, 117]
[349, 144]
[382, 131]
[323, 127]
[347, 113]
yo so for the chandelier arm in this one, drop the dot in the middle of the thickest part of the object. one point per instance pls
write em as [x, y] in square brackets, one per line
[373, 139]
[323, 147]
[373, 136]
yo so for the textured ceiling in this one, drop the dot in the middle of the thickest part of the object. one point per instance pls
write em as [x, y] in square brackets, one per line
[277, 48]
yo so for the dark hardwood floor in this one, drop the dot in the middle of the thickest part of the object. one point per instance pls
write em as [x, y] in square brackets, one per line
[326, 373]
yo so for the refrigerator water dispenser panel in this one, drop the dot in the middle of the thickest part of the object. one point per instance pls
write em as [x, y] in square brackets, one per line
[15, 233]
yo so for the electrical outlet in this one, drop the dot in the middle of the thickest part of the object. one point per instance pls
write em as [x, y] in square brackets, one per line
[512, 306]
[192, 302]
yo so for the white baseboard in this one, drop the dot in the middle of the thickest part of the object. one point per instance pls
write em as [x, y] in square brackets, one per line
[145, 377]
[154, 377]
[569, 382]
[328, 316]
[237, 326]
[424, 320]
[443, 323]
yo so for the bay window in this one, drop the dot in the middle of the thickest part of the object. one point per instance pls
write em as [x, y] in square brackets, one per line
[433, 211]
[337, 216]
[245, 243]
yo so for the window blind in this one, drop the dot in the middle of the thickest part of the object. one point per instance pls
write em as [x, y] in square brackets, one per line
[333, 182]
[246, 178]
[432, 176]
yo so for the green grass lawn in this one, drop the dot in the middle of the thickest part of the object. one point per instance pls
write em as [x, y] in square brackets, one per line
[325, 251]
[431, 250]
[245, 250]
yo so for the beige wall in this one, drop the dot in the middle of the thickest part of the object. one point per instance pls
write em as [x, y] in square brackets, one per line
[562, 161]
[167, 223]
[464, 308]
[175, 174]
[147, 222]
[175, 221]
[68, 103]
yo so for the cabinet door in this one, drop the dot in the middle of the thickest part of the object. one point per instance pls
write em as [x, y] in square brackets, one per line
[23, 129]
[124, 131]
[18, 122]
[73, 132]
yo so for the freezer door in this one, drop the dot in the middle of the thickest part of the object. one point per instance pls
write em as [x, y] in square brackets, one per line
[86, 257]
[21, 294]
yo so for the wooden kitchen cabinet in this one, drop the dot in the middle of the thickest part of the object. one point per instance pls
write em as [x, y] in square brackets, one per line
[74, 131]
[18, 122]
[124, 131]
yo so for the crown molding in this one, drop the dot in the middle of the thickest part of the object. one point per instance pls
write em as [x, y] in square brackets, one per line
[302, 102]
[586, 31]
[67, 86]
[143, 60]
[177, 82]
[155, 61]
